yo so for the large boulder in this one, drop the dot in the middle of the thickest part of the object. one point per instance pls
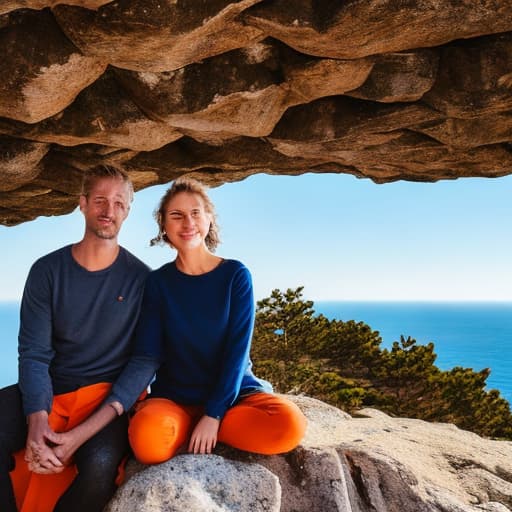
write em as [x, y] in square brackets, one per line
[200, 484]
[368, 463]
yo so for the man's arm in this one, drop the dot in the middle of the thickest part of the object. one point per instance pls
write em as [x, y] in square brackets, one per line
[35, 355]
[134, 379]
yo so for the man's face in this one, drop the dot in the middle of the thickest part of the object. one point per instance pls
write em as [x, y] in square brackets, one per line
[106, 207]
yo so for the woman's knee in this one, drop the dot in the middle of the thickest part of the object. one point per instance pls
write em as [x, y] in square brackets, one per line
[264, 423]
[157, 430]
[289, 424]
[293, 424]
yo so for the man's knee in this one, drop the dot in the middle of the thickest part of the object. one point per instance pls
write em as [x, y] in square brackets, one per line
[13, 426]
[103, 453]
[6, 456]
[100, 468]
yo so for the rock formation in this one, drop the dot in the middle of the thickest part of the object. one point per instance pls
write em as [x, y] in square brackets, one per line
[369, 463]
[384, 89]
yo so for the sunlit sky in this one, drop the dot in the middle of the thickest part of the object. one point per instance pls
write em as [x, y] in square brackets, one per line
[340, 237]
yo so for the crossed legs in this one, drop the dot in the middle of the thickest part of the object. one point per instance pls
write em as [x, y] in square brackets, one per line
[259, 423]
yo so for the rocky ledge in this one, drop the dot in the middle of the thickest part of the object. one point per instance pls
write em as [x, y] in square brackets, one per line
[368, 463]
[383, 89]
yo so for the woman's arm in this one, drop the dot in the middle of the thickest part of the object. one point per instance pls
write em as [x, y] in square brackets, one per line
[234, 363]
[235, 357]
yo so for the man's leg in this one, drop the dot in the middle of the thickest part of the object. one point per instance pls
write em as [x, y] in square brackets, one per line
[97, 462]
[13, 435]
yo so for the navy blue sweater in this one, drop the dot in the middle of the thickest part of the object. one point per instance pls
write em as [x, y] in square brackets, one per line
[76, 326]
[195, 331]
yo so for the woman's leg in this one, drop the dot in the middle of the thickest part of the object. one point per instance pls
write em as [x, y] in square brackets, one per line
[97, 462]
[263, 423]
[13, 435]
[158, 430]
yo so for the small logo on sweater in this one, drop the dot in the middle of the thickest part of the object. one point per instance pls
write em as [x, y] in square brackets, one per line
[120, 298]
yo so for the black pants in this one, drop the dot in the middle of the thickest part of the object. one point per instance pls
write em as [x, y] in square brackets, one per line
[97, 460]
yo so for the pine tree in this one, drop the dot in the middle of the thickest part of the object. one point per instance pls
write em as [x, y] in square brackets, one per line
[285, 325]
[405, 374]
[343, 364]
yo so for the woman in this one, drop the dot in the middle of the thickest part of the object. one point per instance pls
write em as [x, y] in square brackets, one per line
[195, 330]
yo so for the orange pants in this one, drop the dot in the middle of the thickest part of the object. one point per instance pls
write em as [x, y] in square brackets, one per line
[259, 423]
[40, 493]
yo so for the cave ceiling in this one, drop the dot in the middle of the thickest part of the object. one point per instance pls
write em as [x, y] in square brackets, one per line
[388, 90]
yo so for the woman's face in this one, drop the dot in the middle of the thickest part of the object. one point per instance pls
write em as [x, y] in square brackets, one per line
[186, 221]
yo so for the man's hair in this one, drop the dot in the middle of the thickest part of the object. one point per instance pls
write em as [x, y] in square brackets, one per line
[104, 171]
[192, 186]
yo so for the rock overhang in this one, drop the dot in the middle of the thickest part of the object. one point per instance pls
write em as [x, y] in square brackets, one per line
[385, 90]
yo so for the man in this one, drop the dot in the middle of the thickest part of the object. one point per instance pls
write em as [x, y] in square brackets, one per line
[78, 312]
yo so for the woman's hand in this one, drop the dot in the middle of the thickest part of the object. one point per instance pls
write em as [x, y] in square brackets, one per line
[204, 435]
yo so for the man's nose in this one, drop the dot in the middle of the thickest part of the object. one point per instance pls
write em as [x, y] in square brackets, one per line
[108, 209]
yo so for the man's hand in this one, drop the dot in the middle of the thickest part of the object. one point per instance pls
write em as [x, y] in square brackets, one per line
[65, 445]
[204, 435]
[38, 454]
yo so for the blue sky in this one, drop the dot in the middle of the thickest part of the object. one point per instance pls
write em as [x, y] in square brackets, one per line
[340, 237]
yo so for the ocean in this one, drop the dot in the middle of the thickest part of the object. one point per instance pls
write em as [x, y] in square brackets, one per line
[468, 334]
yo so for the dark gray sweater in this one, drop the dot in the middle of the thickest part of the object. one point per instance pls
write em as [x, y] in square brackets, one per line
[76, 326]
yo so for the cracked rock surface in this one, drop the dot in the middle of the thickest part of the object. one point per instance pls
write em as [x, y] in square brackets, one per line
[368, 463]
[382, 89]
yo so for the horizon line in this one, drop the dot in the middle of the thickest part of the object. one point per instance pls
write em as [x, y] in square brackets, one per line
[359, 300]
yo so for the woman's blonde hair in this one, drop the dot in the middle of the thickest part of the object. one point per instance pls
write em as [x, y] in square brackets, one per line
[191, 186]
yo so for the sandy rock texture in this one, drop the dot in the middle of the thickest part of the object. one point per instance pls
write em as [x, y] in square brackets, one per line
[199, 484]
[368, 463]
[383, 89]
